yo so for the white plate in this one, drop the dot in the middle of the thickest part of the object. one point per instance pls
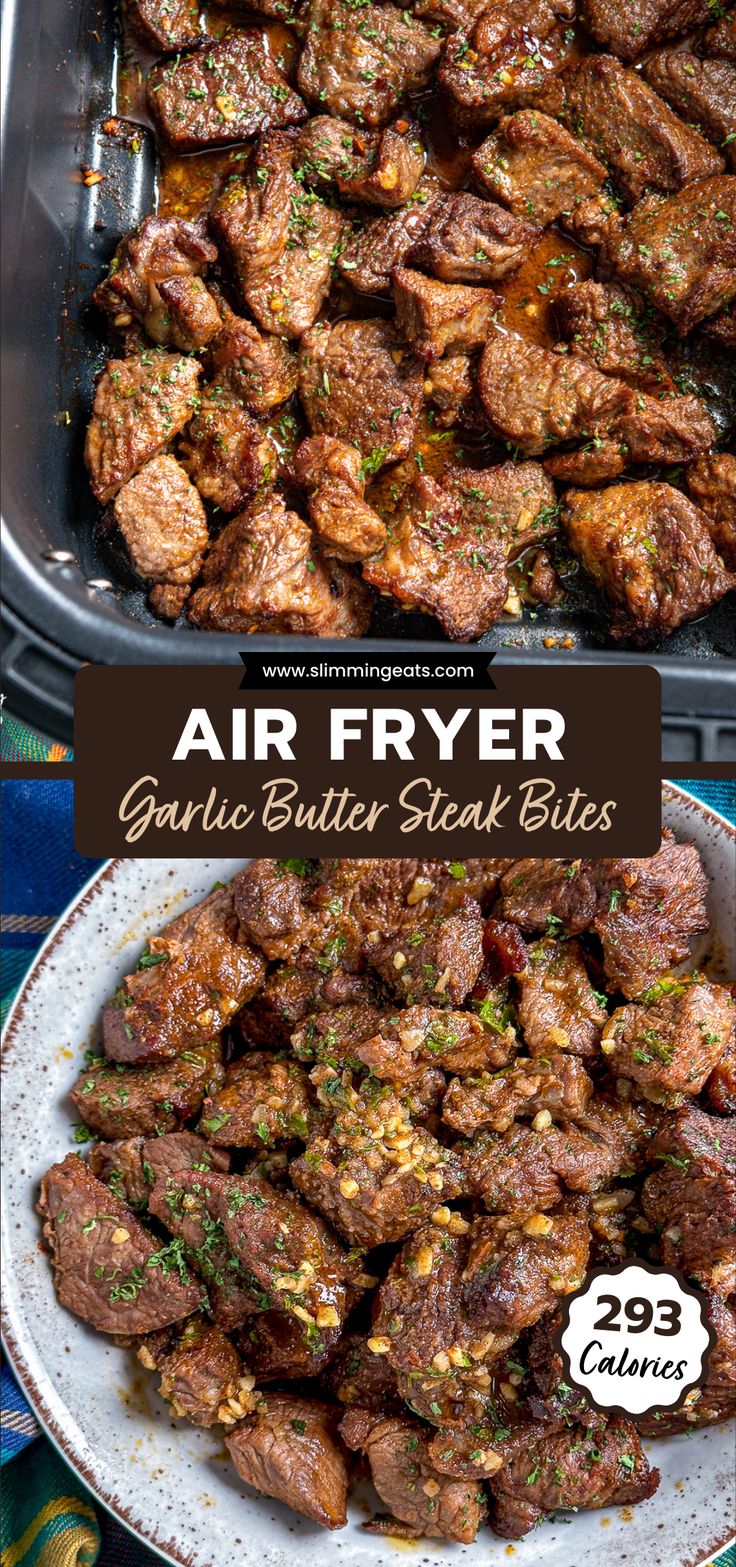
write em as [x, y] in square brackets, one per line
[170, 1484]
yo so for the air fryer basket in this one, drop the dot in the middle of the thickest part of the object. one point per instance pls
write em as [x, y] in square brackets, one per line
[61, 607]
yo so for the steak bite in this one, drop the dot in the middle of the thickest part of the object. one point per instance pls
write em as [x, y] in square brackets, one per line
[285, 1247]
[358, 381]
[536, 398]
[164, 525]
[702, 91]
[278, 238]
[118, 1101]
[378, 244]
[108, 1269]
[425, 1035]
[692, 1199]
[278, 1347]
[163, 251]
[517, 1269]
[438, 318]
[711, 484]
[467, 240]
[383, 167]
[629, 33]
[671, 1044]
[131, 1167]
[526, 1166]
[257, 368]
[451, 390]
[263, 1100]
[720, 1089]
[226, 452]
[347, 526]
[647, 914]
[720, 39]
[270, 902]
[650, 550]
[558, 1007]
[532, 164]
[423, 1502]
[358, 64]
[615, 332]
[715, 1399]
[186, 1205]
[642, 143]
[356, 1376]
[221, 93]
[164, 25]
[502, 63]
[288, 1449]
[554, 896]
[140, 404]
[680, 251]
[558, 1085]
[601, 1465]
[189, 982]
[202, 1376]
[440, 968]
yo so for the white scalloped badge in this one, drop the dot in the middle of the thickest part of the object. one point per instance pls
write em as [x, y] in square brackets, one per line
[635, 1339]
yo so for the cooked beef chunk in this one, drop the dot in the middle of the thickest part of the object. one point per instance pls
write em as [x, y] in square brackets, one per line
[601, 1465]
[286, 1248]
[517, 1270]
[358, 64]
[450, 388]
[287, 998]
[669, 1045]
[407, 1042]
[610, 328]
[356, 1376]
[221, 93]
[524, 1167]
[715, 1400]
[363, 1176]
[502, 63]
[558, 1084]
[471, 241]
[288, 1449]
[679, 250]
[226, 452]
[118, 1101]
[202, 1378]
[347, 526]
[721, 328]
[550, 895]
[550, 1397]
[649, 548]
[702, 91]
[260, 370]
[164, 524]
[381, 243]
[536, 167]
[422, 1501]
[164, 25]
[711, 483]
[269, 900]
[536, 398]
[119, 1165]
[261, 575]
[442, 967]
[720, 39]
[648, 911]
[108, 1269]
[131, 1167]
[628, 127]
[278, 1347]
[692, 1198]
[278, 237]
[162, 251]
[359, 382]
[720, 1089]
[383, 167]
[189, 982]
[187, 1207]
[628, 32]
[140, 404]
[263, 1100]
[438, 318]
[558, 1007]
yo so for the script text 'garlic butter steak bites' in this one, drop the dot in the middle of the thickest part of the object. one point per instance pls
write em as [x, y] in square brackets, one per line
[359, 1126]
[419, 248]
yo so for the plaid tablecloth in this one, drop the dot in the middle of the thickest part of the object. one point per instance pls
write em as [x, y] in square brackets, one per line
[47, 1517]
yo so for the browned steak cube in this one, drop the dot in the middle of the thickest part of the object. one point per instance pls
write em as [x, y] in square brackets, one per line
[438, 318]
[164, 525]
[517, 1269]
[334, 1035]
[423, 1502]
[670, 1045]
[356, 1376]
[163, 251]
[202, 1377]
[536, 398]
[164, 25]
[711, 483]
[347, 526]
[378, 244]
[359, 381]
[119, 1101]
[612, 329]
[648, 911]
[601, 1465]
[628, 127]
[557, 1085]
[679, 250]
[263, 1100]
[226, 452]
[437, 963]
[539, 16]
[536, 167]
[720, 1089]
[410, 1040]
[131, 1167]
[288, 1449]
[383, 167]
[108, 1269]
[222, 93]
[270, 902]
[285, 1247]
[471, 241]
[715, 1399]
[278, 1347]
[120, 1166]
[258, 368]
[650, 550]
[278, 238]
[189, 982]
[549, 895]
[558, 1007]
[720, 39]
[501, 64]
[627, 32]
[140, 404]
[692, 1198]
[358, 63]
[188, 1208]
[449, 386]
[702, 91]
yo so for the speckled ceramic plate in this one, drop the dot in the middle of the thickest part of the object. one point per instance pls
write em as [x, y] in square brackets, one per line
[171, 1484]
